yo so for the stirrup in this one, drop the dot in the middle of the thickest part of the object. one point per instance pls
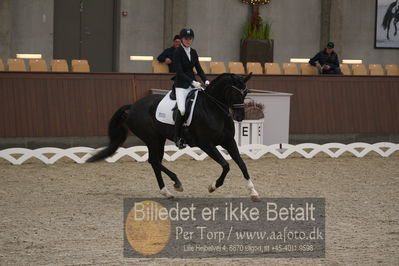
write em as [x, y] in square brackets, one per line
[180, 143]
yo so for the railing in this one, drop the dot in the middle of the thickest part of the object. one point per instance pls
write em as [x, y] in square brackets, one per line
[18, 156]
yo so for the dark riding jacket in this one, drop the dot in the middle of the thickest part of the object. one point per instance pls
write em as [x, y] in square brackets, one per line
[184, 68]
[325, 59]
[168, 53]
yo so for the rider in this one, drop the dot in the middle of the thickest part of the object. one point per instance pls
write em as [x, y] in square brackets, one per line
[167, 54]
[326, 60]
[185, 58]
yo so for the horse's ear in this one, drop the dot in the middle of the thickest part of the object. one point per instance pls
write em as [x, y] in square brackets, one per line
[247, 77]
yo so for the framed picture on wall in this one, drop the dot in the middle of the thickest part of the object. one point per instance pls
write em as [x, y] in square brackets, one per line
[387, 24]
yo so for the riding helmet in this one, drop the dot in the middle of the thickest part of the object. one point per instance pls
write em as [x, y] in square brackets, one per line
[187, 33]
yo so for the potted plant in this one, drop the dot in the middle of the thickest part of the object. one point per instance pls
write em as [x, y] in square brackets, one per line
[254, 110]
[250, 130]
[256, 43]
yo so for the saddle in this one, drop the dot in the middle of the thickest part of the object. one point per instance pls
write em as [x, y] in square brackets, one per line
[167, 108]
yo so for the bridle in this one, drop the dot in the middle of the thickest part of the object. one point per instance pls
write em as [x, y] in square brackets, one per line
[243, 93]
[225, 107]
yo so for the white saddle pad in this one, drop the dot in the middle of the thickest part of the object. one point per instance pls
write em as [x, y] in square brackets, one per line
[164, 111]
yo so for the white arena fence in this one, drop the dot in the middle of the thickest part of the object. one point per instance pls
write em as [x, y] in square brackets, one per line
[18, 156]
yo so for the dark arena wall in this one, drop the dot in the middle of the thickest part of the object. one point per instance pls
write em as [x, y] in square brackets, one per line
[53, 105]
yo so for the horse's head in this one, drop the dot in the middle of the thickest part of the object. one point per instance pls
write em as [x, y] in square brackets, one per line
[230, 90]
[235, 96]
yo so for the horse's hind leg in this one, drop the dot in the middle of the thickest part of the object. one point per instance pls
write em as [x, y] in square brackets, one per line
[163, 189]
[177, 185]
[232, 149]
[155, 155]
[155, 161]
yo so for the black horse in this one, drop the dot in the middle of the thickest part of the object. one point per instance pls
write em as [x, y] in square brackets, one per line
[212, 124]
[389, 15]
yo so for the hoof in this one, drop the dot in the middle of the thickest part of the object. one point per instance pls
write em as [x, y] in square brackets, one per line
[211, 189]
[165, 192]
[179, 188]
[168, 196]
[180, 143]
[255, 198]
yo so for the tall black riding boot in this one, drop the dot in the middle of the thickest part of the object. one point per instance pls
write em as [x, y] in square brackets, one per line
[178, 127]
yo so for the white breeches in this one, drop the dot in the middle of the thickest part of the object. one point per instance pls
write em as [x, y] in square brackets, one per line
[181, 95]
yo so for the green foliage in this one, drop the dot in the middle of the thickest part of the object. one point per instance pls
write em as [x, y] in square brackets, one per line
[247, 30]
[262, 32]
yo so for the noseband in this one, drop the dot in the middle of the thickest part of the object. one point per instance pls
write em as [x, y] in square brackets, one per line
[242, 92]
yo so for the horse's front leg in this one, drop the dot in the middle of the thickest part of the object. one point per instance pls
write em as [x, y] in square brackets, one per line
[396, 28]
[213, 152]
[231, 147]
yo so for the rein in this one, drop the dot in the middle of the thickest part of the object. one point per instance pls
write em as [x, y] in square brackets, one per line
[219, 104]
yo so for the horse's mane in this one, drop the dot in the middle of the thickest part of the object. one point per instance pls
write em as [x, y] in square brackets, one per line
[212, 86]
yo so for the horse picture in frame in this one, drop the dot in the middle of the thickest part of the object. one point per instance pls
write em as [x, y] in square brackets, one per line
[386, 20]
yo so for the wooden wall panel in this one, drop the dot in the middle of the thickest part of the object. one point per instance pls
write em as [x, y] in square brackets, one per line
[333, 105]
[81, 104]
[58, 105]
[143, 83]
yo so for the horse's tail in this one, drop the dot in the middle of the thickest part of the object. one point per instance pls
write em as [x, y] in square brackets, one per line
[117, 133]
[388, 16]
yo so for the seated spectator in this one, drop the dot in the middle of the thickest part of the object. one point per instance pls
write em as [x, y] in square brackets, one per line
[167, 54]
[326, 61]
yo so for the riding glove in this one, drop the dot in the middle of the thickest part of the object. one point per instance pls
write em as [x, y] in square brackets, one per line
[196, 84]
[207, 82]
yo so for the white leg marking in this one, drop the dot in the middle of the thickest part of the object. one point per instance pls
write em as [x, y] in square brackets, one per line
[251, 188]
[212, 187]
[165, 192]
